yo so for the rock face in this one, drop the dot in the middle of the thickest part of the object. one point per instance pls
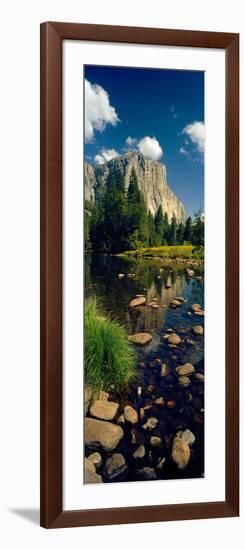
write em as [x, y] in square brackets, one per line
[152, 181]
[99, 433]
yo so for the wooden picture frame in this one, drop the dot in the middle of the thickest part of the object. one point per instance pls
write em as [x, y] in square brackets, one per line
[52, 35]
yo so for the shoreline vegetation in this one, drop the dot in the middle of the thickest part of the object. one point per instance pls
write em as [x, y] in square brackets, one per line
[110, 359]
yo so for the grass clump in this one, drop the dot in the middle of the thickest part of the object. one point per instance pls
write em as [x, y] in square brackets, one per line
[109, 356]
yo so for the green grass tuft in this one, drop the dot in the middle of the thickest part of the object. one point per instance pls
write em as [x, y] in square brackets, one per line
[109, 356]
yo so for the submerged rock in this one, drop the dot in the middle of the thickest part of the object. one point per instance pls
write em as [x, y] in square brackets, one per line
[140, 452]
[184, 381]
[185, 370]
[160, 401]
[105, 410]
[150, 423]
[140, 301]
[165, 370]
[161, 463]
[130, 415]
[198, 329]
[140, 338]
[174, 339]
[147, 473]
[115, 466]
[200, 377]
[180, 453]
[155, 441]
[99, 433]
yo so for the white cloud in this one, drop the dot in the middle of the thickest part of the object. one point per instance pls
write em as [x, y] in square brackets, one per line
[105, 155]
[131, 142]
[98, 111]
[183, 151]
[196, 133]
[173, 112]
[150, 147]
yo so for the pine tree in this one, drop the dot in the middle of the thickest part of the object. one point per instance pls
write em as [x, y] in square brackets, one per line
[188, 230]
[173, 230]
[180, 234]
[151, 229]
[159, 226]
[198, 229]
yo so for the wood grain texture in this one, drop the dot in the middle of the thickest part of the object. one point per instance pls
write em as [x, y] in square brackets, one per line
[52, 34]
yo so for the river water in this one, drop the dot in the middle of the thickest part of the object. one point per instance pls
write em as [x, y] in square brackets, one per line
[149, 278]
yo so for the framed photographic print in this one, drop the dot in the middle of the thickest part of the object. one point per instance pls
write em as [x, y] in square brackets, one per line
[139, 275]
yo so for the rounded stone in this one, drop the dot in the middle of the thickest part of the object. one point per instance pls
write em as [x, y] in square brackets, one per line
[140, 338]
[174, 339]
[198, 330]
[185, 370]
[130, 415]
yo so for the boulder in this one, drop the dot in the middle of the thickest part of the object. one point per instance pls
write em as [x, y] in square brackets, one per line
[200, 377]
[174, 339]
[99, 433]
[140, 452]
[150, 423]
[164, 369]
[130, 415]
[115, 465]
[105, 410]
[140, 301]
[175, 303]
[155, 441]
[180, 453]
[147, 473]
[95, 459]
[195, 307]
[90, 475]
[198, 330]
[140, 338]
[184, 381]
[185, 370]
[160, 401]
[171, 404]
[187, 436]
[161, 463]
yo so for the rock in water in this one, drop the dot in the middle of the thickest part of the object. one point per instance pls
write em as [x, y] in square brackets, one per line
[140, 452]
[90, 475]
[147, 473]
[180, 453]
[198, 329]
[187, 436]
[184, 381]
[105, 410]
[115, 466]
[140, 338]
[174, 339]
[185, 370]
[130, 415]
[152, 182]
[95, 459]
[150, 423]
[99, 433]
[137, 302]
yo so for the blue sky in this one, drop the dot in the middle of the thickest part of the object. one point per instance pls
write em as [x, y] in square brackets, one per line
[158, 112]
